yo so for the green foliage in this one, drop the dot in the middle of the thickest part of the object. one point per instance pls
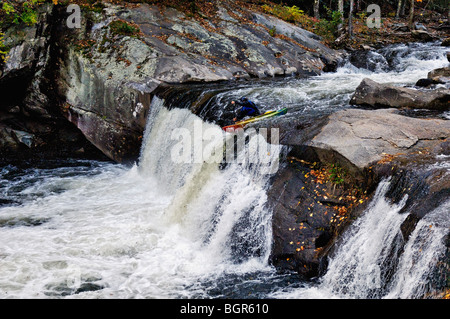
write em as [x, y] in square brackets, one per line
[122, 27]
[93, 6]
[29, 15]
[8, 8]
[3, 50]
[273, 31]
[290, 14]
[328, 28]
[337, 174]
[15, 13]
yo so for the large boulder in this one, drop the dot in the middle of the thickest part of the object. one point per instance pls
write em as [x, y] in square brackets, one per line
[356, 138]
[365, 136]
[421, 35]
[437, 76]
[375, 94]
[310, 207]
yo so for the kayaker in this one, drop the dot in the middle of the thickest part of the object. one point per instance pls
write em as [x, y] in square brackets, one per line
[248, 108]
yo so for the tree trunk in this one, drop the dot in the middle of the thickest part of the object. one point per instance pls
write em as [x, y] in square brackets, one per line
[350, 19]
[316, 9]
[341, 7]
[341, 10]
[411, 15]
[402, 11]
[399, 9]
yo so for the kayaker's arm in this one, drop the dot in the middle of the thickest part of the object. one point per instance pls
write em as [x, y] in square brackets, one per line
[237, 112]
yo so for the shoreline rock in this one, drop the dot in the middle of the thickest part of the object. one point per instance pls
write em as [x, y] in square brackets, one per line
[440, 76]
[374, 94]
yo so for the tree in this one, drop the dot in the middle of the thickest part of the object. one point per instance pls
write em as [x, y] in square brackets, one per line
[316, 9]
[341, 10]
[350, 19]
[411, 15]
[341, 6]
[399, 8]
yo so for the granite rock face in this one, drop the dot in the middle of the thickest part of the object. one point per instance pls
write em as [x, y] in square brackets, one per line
[31, 124]
[108, 78]
[102, 76]
[363, 136]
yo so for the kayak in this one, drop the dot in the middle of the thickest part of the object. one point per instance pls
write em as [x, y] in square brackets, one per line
[261, 117]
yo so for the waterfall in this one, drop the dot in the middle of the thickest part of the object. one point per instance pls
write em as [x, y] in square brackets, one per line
[424, 250]
[362, 259]
[218, 204]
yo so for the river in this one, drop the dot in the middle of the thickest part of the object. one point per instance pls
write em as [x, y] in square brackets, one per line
[158, 229]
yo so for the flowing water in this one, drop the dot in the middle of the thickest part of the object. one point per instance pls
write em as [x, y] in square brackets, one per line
[183, 225]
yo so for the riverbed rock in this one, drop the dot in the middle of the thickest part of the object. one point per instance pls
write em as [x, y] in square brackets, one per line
[13, 140]
[437, 76]
[419, 26]
[425, 82]
[370, 60]
[375, 94]
[441, 75]
[402, 27]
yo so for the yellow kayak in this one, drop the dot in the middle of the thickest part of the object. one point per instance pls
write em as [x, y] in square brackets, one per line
[264, 116]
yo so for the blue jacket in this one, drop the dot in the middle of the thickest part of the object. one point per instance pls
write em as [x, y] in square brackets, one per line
[248, 108]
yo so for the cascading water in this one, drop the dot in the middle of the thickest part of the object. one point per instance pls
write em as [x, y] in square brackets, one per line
[356, 269]
[422, 254]
[314, 97]
[185, 224]
[210, 202]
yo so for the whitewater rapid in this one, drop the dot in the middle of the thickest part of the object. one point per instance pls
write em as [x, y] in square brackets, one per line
[146, 232]
[86, 229]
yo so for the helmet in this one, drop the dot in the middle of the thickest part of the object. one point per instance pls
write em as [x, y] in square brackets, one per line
[244, 99]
